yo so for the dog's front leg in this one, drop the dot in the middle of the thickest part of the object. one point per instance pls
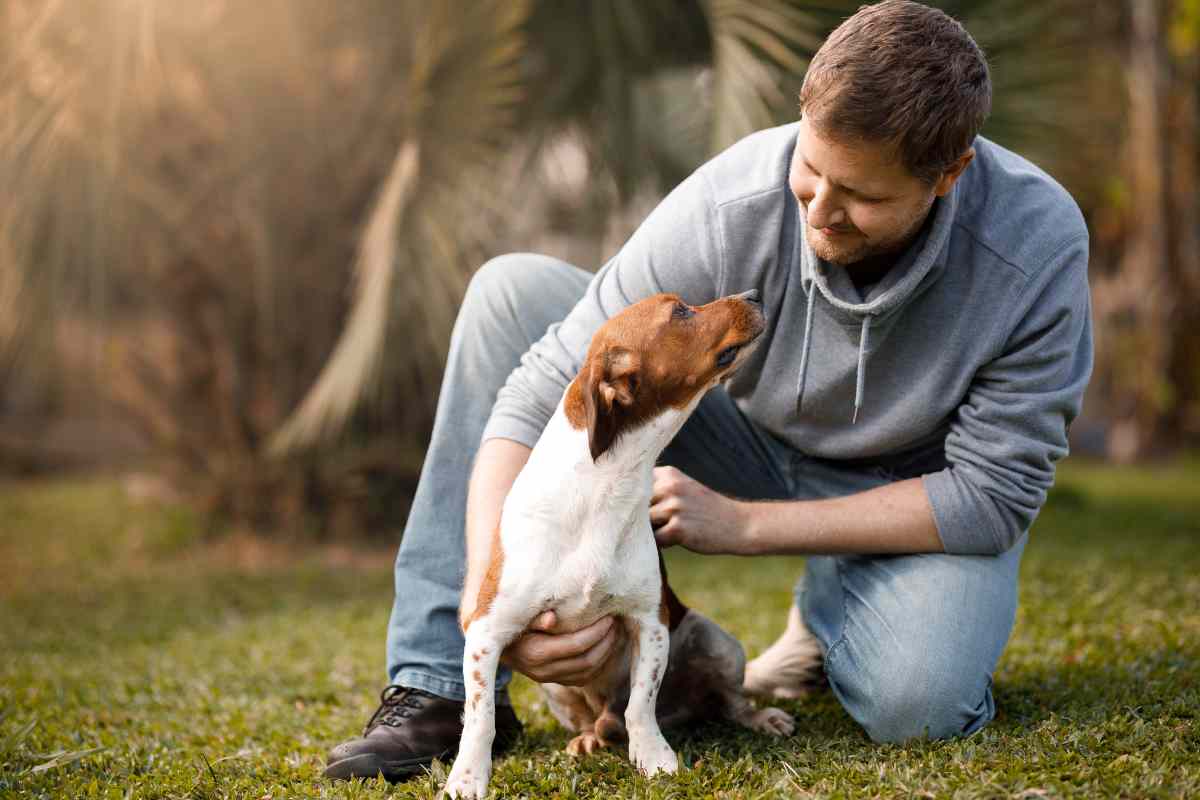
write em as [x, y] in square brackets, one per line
[647, 747]
[481, 657]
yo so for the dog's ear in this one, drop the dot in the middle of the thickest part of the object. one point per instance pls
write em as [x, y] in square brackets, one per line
[609, 390]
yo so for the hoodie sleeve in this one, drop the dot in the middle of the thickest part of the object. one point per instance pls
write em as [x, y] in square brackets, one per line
[1011, 428]
[676, 249]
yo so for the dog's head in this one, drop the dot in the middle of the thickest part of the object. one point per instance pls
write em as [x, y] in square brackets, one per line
[656, 355]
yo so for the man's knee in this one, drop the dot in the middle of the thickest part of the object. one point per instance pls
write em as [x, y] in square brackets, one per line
[917, 698]
[513, 281]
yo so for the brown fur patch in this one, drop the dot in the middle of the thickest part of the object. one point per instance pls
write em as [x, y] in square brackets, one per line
[610, 728]
[477, 675]
[491, 581]
[655, 354]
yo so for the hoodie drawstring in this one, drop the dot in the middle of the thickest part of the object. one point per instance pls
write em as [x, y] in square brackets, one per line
[808, 321]
[863, 342]
[862, 366]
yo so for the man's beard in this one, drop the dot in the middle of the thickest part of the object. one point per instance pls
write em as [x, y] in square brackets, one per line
[854, 247]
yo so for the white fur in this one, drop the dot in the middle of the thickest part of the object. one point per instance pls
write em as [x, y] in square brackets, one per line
[577, 540]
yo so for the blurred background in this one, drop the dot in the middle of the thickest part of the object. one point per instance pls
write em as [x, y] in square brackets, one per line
[235, 234]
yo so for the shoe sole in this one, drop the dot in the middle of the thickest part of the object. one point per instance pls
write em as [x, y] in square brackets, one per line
[368, 765]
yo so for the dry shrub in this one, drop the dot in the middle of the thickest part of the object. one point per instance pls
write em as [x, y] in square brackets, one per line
[192, 179]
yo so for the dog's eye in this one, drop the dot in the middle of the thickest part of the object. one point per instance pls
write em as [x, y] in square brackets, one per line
[726, 356]
[681, 311]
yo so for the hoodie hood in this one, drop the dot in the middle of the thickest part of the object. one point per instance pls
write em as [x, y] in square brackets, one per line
[917, 268]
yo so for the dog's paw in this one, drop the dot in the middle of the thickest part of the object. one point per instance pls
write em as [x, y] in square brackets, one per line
[585, 744]
[773, 722]
[467, 782]
[652, 755]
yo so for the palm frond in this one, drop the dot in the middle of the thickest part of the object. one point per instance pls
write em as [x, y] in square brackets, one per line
[759, 48]
[462, 86]
[355, 361]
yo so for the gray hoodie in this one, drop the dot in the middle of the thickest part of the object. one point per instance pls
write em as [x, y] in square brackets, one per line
[977, 344]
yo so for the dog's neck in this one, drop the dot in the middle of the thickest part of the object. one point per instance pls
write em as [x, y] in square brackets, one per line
[634, 452]
[619, 481]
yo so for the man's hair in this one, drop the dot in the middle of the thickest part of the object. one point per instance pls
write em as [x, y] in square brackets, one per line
[905, 74]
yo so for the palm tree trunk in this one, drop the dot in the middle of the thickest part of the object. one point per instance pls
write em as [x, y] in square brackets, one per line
[1136, 304]
[1184, 195]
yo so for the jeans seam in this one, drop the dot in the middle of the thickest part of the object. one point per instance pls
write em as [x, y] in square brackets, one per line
[841, 640]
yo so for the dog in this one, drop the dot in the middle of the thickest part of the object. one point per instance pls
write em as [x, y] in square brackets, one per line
[575, 538]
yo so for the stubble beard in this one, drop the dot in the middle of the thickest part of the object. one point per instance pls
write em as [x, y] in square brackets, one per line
[859, 247]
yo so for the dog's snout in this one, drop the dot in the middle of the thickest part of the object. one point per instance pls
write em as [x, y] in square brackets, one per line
[750, 296]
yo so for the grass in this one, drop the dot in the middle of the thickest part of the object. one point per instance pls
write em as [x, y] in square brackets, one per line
[139, 659]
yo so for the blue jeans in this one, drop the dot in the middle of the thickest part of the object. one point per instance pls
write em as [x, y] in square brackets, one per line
[910, 642]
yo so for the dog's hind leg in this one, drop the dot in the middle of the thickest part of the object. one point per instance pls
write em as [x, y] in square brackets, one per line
[570, 707]
[771, 721]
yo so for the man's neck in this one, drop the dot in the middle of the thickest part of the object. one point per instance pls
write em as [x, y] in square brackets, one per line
[871, 270]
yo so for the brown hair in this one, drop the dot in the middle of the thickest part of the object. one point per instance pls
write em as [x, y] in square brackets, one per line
[902, 73]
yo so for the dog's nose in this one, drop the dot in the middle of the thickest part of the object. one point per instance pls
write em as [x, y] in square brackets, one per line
[750, 296]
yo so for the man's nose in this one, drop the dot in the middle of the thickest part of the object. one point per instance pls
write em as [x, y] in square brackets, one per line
[823, 211]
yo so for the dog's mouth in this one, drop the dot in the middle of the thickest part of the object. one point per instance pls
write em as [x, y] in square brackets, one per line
[729, 359]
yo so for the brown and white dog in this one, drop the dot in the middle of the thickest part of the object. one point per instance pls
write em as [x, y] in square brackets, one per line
[575, 537]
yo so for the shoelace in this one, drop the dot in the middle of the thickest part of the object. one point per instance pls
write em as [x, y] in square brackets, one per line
[396, 704]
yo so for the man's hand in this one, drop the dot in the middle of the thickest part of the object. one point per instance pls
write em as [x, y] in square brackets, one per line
[687, 513]
[549, 655]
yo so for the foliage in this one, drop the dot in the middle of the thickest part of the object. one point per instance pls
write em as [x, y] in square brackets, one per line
[1146, 253]
[198, 206]
[144, 662]
[267, 212]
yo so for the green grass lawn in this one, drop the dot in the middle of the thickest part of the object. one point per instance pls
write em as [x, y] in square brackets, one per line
[138, 660]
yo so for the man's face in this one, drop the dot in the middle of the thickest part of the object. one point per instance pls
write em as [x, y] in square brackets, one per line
[859, 200]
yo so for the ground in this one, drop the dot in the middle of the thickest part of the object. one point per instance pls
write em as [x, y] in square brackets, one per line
[143, 657]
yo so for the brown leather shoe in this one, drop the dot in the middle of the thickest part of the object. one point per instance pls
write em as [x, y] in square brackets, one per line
[407, 732]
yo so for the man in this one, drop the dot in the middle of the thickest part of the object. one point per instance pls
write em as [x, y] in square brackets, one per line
[929, 342]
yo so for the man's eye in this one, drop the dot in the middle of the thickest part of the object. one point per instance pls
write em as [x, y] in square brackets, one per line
[681, 311]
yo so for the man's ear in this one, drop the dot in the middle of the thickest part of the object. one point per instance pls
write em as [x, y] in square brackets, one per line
[946, 182]
[608, 395]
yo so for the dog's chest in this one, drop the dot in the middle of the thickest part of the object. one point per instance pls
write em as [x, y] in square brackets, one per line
[585, 590]
[576, 545]
[581, 578]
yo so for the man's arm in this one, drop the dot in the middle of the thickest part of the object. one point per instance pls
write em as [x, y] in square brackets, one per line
[496, 467]
[894, 518]
[1011, 429]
